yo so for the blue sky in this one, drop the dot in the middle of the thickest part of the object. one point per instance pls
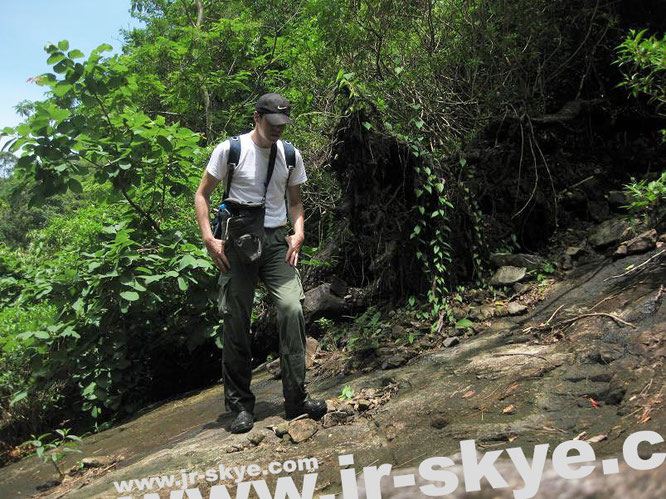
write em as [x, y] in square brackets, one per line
[27, 25]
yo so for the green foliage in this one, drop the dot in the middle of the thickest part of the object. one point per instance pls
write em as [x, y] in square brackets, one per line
[347, 393]
[646, 194]
[369, 329]
[643, 59]
[54, 450]
[643, 62]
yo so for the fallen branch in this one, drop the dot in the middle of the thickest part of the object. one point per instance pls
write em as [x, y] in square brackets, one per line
[595, 314]
[635, 268]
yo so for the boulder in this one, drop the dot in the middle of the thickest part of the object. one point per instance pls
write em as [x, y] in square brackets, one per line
[339, 287]
[608, 233]
[321, 302]
[508, 275]
[530, 262]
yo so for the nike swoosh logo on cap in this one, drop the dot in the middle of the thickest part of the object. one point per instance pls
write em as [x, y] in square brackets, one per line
[281, 108]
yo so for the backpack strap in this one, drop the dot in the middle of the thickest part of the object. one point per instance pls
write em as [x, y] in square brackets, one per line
[289, 157]
[232, 162]
[271, 166]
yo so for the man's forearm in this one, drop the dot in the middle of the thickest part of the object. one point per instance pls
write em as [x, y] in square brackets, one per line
[297, 219]
[202, 207]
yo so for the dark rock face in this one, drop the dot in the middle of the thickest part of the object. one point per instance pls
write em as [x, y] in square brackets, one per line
[321, 302]
[608, 233]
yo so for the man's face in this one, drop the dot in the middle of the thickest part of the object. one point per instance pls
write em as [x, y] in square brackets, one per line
[270, 133]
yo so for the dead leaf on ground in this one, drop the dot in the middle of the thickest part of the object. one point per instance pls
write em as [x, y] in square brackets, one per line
[598, 438]
[509, 409]
[468, 394]
[580, 436]
[594, 403]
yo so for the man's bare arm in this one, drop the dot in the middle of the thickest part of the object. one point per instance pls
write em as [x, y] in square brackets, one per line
[214, 246]
[295, 205]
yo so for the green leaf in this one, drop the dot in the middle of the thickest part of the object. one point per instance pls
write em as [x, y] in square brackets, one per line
[18, 397]
[75, 54]
[164, 143]
[105, 47]
[75, 186]
[55, 57]
[63, 45]
[61, 89]
[130, 295]
[61, 67]
[182, 284]
[463, 324]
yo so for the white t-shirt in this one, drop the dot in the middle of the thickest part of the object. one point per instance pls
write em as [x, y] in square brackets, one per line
[247, 183]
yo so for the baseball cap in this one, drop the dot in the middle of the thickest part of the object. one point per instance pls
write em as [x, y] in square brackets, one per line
[275, 107]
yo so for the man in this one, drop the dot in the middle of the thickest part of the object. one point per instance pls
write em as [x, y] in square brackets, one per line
[276, 266]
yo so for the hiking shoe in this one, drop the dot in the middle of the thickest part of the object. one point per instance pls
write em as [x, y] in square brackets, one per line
[314, 408]
[242, 423]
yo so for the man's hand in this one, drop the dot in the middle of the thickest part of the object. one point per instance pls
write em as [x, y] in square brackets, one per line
[215, 249]
[295, 242]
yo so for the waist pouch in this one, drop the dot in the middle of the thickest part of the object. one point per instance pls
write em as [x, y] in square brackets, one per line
[245, 228]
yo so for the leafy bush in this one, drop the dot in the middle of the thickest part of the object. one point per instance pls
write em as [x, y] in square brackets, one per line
[643, 62]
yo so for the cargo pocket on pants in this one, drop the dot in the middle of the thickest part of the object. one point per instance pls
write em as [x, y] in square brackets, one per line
[223, 294]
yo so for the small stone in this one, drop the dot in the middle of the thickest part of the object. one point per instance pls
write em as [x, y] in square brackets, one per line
[330, 406]
[363, 404]
[521, 288]
[336, 418]
[286, 438]
[514, 308]
[573, 251]
[256, 437]
[281, 429]
[641, 243]
[97, 462]
[394, 361]
[347, 409]
[451, 342]
[482, 313]
[302, 429]
[233, 448]
[508, 275]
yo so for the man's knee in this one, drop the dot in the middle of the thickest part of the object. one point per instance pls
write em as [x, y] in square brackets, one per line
[289, 307]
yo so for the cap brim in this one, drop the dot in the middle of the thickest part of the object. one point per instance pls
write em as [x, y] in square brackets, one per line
[278, 119]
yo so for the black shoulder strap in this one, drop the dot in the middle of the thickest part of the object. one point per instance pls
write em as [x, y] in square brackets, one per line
[289, 157]
[271, 167]
[232, 162]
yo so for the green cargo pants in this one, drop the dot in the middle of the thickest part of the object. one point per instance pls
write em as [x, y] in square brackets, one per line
[235, 305]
